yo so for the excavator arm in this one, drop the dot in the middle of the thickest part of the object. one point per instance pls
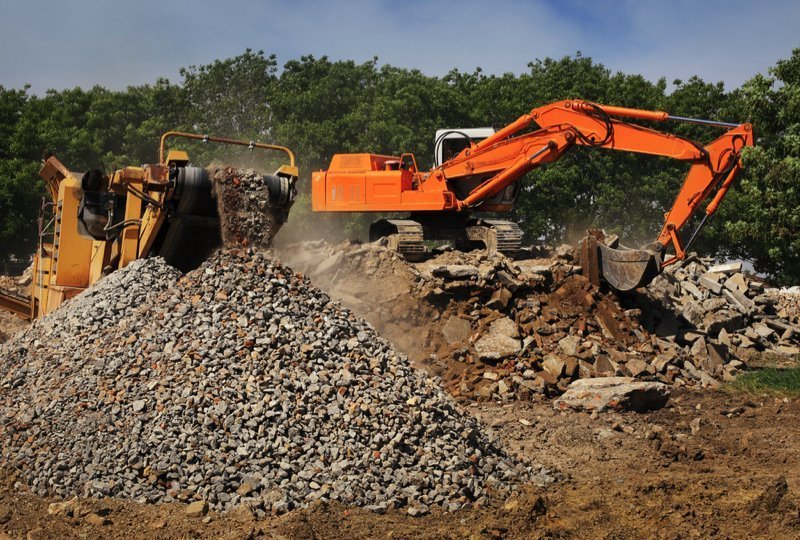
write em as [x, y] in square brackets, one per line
[506, 156]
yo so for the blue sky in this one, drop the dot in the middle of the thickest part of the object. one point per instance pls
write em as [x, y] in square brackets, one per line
[115, 43]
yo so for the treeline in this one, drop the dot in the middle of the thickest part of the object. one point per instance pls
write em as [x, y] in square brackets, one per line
[319, 107]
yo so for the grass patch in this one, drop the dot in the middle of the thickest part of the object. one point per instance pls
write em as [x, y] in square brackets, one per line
[769, 380]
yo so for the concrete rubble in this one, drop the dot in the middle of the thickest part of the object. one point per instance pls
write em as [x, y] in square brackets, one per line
[718, 307]
[238, 383]
[617, 393]
[499, 329]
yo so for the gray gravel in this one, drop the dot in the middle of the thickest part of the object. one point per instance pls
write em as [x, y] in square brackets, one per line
[237, 383]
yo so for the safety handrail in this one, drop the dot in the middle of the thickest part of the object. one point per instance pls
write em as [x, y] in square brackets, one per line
[223, 140]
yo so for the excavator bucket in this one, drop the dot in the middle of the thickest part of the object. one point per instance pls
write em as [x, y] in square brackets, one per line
[624, 269]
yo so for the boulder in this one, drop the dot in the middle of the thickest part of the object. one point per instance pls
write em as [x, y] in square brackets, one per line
[617, 393]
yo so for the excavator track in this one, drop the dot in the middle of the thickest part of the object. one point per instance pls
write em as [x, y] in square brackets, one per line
[404, 236]
[497, 235]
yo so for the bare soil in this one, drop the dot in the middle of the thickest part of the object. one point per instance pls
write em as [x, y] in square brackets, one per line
[710, 464]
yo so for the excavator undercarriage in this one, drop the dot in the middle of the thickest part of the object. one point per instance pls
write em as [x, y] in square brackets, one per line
[408, 236]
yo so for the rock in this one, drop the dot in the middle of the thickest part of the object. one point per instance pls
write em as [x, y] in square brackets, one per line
[713, 361]
[690, 336]
[639, 367]
[713, 304]
[618, 393]
[456, 271]
[418, 510]
[197, 509]
[97, 519]
[716, 321]
[699, 349]
[711, 284]
[789, 350]
[499, 299]
[456, 330]
[693, 313]
[763, 330]
[565, 251]
[503, 387]
[736, 283]
[604, 367]
[504, 326]
[138, 405]
[569, 345]
[727, 268]
[553, 365]
[744, 304]
[496, 346]
[63, 507]
[692, 289]
[661, 362]
[724, 338]
[245, 489]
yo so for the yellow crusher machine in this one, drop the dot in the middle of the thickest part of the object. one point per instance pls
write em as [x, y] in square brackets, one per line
[96, 223]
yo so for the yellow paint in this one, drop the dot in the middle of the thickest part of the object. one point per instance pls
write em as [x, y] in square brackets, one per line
[72, 252]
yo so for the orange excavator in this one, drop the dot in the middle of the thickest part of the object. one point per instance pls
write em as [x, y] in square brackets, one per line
[484, 177]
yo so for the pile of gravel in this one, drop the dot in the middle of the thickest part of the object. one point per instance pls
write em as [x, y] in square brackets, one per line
[237, 383]
[248, 215]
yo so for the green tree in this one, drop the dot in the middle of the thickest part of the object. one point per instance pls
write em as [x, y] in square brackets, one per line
[761, 220]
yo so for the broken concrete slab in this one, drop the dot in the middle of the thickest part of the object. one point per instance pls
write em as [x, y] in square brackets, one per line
[504, 326]
[499, 299]
[727, 268]
[456, 271]
[739, 300]
[456, 330]
[495, 346]
[711, 284]
[736, 283]
[569, 345]
[616, 393]
[553, 365]
[717, 320]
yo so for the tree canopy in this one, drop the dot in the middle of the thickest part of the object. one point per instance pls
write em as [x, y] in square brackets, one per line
[319, 107]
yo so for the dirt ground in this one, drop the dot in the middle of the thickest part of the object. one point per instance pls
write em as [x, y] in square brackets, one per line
[710, 464]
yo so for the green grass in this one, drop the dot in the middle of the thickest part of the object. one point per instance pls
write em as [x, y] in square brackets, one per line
[769, 380]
